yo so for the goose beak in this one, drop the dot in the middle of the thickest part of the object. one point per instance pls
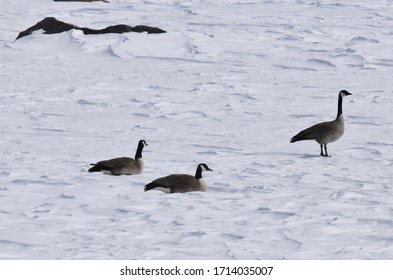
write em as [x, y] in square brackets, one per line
[208, 169]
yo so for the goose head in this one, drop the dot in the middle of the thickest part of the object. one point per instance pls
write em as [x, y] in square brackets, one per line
[142, 143]
[344, 93]
[204, 167]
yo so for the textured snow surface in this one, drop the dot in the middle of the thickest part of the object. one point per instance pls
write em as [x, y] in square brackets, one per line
[229, 84]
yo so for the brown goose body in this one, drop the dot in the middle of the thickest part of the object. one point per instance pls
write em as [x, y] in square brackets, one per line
[325, 132]
[180, 183]
[122, 165]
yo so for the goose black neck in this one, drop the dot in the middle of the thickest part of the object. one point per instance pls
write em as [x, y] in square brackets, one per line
[138, 153]
[198, 173]
[340, 106]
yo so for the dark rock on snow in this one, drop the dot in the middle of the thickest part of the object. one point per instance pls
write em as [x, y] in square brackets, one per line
[81, 1]
[51, 26]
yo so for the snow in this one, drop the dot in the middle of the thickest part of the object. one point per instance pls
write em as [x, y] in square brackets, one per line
[228, 85]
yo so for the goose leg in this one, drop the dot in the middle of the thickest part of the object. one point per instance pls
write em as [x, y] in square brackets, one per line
[324, 147]
[326, 154]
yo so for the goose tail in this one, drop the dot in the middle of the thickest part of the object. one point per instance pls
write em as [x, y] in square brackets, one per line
[95, 168]
[150, 186]
[306, 134]
[98, 168]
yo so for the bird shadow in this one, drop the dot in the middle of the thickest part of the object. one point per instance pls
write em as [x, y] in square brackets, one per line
[310, 156]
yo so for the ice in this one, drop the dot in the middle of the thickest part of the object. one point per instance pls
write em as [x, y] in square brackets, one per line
[228, 85]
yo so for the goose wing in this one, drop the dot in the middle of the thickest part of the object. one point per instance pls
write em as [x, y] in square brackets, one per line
[111, 164]
[314, 132]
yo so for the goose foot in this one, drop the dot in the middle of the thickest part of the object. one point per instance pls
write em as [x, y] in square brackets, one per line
[324, 147]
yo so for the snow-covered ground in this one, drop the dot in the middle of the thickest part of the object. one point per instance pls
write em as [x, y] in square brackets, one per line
[229, 84]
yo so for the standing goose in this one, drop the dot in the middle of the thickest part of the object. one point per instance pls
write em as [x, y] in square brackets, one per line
[122, 165]
[325, 132]
[180, 183]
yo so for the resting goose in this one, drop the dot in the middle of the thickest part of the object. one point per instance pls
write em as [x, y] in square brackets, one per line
[122, 165]
[180, 183]
[325, 132]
